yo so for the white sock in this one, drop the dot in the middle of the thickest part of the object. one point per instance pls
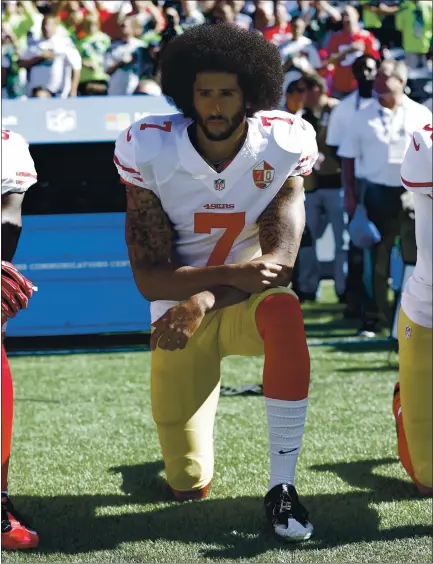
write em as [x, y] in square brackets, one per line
[286, 421]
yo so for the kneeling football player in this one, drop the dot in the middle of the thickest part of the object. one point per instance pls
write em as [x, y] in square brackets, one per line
[412, 404]
[215, 215]
[18, 174]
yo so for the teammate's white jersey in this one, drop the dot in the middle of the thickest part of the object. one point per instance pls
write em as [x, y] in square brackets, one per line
[214, 214]
[18, 169]
[416, 176]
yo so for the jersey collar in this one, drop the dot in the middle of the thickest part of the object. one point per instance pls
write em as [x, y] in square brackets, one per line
[195, 165]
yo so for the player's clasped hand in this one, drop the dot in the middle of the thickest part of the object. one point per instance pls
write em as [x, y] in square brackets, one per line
[16, 290]
[173, 330]
[256, 276]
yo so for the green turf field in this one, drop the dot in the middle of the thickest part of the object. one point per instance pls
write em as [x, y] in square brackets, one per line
[86, 465]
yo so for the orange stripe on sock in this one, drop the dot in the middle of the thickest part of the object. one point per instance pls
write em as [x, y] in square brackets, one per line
[286, 373]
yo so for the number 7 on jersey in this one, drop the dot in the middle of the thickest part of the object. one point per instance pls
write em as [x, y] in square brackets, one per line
[233, 223]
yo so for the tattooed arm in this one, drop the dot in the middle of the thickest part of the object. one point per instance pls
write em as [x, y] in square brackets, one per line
[281, 226]
[149, 237]
[11, 224]
[280, 230]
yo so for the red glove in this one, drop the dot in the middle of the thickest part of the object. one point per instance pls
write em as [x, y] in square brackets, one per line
[16, 290]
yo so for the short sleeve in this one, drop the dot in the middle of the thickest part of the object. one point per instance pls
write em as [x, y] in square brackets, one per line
[350, 147]
[124, 159]
[309, 153]
[416, 170]
[74, 58]
[18, 169]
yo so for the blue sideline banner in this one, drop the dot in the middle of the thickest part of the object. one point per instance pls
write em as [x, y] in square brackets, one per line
[80, 265]
[78, 120]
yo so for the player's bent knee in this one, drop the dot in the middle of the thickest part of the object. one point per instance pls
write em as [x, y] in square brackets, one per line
[281, 309]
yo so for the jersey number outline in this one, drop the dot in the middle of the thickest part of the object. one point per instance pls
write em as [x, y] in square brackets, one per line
[233, 223]
[165, 127]
[266, 121]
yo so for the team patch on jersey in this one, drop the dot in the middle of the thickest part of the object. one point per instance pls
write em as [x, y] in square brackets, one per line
[219, 184]
[263, 174]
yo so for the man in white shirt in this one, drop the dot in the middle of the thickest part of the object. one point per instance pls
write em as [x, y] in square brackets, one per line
[364, 70]
[52, 62]
[300, 50]
[378, 137]
[123, 61]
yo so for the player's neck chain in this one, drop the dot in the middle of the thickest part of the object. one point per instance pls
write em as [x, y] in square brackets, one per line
[219, 166]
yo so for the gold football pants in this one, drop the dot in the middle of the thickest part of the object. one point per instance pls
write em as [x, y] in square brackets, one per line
[185, 389]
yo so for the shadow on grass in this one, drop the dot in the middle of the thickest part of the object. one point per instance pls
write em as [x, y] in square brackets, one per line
[235, 528]
[392, 367]
[367, 345]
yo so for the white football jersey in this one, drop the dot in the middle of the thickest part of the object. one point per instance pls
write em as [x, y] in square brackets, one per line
[214, 214]
[18, 169]
[416, 176]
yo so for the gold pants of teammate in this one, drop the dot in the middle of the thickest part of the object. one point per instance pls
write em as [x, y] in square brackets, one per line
[185, 388]
[416, 376]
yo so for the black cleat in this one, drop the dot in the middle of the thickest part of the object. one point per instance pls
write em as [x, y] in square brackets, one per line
[287, 515]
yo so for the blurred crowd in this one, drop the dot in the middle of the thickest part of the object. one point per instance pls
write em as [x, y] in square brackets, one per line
[331, 53]
[67, 48]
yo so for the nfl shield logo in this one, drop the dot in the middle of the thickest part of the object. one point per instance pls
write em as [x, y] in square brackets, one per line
[263, 174]
[219, 184]
[408, 331]
[61, 121]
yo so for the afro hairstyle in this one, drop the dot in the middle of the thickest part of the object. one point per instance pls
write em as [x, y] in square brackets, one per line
[222, 47]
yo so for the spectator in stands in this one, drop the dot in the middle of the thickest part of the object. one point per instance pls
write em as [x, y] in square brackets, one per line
[52, 62]
[206, 7]
[364, 70]
[71, 14]
[123, 60]
[303, 9]
[324, 20]
[415, 20]
[295, 92]
[242, 19]
[299, 51]
[13, 84]
[24, 20]
[223, 12]
[323, 198]
[92, 48]
[230, 11]
[263, 18]
[378, 17]
[191, 15]
[379, 136]
[279, 28]
[345, 47]
[147, 15]
[111, 14]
